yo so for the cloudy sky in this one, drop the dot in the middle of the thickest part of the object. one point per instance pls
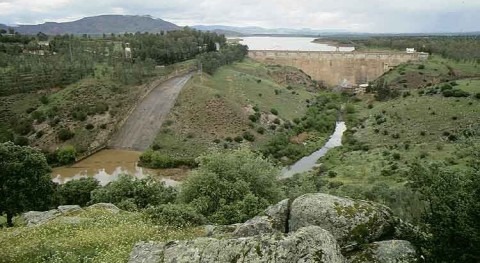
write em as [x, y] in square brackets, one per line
[350, 15]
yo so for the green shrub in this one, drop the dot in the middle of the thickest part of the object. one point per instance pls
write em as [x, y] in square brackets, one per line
[421, 66]
[238, 139]
[77, 192]
[274, 111]
[248, 136]
[156, 160]
[39, 116]
[23, 126]
[477, 95]
[178, 215]
[44, 100]
[261, 130]
[231, 186]
[142, 192]
[66, 155]
[65, 134]
[89, 126]
[21, 141]
[277, 121]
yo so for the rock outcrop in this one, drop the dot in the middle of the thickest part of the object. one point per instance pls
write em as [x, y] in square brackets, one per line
[349, 221]
[106, 206]
[398, 251]
[309, 244]
[35, 218]
[313, 228]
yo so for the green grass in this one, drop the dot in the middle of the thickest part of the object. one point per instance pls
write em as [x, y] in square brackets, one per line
[100, 237]
[214, 108]
[469, 85]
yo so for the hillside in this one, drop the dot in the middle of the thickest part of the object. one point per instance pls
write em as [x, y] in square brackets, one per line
[215, 110]
[101, 24]
[430, 113]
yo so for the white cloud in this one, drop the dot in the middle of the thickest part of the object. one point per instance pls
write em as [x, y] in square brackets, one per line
[365, 15]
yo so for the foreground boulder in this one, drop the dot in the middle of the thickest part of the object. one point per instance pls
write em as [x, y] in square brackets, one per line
[309, 244]
[69, 209]
[278, 213]
[255, 226]
[398, 251]
[349, 221]
[35, 218]
[106, 206]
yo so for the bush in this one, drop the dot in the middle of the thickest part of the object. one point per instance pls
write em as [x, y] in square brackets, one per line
[77, 192]
[178, 215]
[254, 117]
[156, 160]
[277, 121]
[248, 136]
[421, 66]
[21, 141]
[142, 192]
[44, 100]
[477, 95]
[230, 187]
[65, 134]
[261, 130]
[274, 111]
[66, 155]
[332, 174]
[89, 126]
[238, 139]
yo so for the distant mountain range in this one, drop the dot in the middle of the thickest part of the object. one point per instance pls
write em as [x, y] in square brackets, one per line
[101, 24]
[97, 25]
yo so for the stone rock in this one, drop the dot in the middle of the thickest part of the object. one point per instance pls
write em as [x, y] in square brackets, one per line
[69, 209]
[255, 226]
[220, 230]
[309, 244]
[398, 251]
[279, 215]
[349, 221]
[147, 252]
[35, 218]
[106, 206]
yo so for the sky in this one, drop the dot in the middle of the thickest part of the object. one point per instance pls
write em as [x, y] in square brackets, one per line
[375, 16]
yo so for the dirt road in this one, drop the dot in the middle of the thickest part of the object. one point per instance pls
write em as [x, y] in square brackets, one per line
[141, 127]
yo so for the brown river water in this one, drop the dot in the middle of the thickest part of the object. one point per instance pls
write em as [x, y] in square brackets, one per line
[106, 166]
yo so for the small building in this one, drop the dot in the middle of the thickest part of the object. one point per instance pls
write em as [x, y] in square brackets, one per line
[411, 50]
[128, 51]
[361, 89]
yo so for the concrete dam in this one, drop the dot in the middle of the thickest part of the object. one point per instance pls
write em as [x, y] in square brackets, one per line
[338, 68]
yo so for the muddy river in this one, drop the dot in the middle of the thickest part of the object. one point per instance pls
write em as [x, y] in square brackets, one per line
[106, 166]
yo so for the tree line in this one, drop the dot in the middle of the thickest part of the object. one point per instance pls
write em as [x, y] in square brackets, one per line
[26, 65]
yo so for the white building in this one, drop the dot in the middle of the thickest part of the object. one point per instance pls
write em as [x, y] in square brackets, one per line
[411, 50]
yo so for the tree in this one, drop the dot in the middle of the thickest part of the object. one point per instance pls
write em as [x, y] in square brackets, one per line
[232, 186]
[77, 192]
[141, 193]
[451, 216]
[25, 181]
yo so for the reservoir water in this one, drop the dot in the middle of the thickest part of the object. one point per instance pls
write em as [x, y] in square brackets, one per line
[309, 162]
[106, 166]
[289, 43]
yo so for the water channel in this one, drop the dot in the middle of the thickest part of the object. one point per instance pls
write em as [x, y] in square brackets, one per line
[309, 162]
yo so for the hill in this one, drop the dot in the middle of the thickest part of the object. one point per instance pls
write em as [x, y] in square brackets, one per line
[101, 24]
[432, 117]
[218, 110]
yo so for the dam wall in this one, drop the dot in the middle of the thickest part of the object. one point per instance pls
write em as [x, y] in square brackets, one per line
[338, 68]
